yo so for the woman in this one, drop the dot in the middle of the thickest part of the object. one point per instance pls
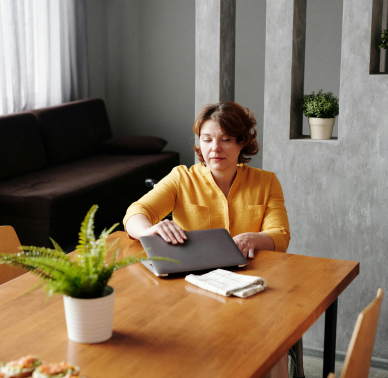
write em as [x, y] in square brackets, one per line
[219, 192]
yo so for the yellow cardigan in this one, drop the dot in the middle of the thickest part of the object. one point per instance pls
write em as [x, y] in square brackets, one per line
[255, 203]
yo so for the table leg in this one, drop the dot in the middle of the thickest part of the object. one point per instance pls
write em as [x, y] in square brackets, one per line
[330, 339]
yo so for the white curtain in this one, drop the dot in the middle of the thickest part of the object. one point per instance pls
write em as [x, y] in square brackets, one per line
[43, 53]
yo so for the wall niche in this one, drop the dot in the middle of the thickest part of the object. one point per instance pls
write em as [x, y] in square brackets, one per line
[378, 56]
[316, 58]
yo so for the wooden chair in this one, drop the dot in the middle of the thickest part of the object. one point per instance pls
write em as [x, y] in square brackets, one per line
[359, 355]
[9, 243]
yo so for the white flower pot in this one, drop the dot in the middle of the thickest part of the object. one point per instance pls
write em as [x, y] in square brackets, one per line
[321, 128]
[90, 320]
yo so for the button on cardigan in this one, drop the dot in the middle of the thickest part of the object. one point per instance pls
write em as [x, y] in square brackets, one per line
[255, 203]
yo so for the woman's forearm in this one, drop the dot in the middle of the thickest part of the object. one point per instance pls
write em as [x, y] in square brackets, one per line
[136, 225]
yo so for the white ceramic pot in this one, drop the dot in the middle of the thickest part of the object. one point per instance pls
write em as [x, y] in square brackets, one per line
[321, 128]
[90, 320]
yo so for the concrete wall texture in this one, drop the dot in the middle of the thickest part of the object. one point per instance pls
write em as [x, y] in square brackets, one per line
[336, 191]
[207, 52]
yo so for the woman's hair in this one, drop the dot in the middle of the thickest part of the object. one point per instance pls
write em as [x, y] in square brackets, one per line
[236, 121]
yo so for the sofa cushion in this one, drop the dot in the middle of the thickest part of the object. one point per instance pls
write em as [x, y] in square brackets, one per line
[21, 145]
[73, 130]
[133, 145]
[64, 189]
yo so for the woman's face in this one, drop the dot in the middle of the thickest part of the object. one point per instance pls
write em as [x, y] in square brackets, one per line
[219, 150]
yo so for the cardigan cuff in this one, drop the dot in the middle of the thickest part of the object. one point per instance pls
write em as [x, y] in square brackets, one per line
[280, 237]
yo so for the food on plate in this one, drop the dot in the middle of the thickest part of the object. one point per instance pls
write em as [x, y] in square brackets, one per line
[56, 370]
[23, 367]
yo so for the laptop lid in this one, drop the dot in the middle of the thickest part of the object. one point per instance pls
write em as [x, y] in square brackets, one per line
[203, 249]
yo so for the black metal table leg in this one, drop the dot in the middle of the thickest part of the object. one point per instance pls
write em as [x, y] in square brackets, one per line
[330, 339]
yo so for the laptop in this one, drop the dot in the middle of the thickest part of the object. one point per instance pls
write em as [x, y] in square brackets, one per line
[203, 250]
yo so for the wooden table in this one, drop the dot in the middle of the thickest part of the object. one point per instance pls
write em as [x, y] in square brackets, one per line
[166, 327]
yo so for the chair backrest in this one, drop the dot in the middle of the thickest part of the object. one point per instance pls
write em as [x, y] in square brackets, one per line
[359, 355]
[9, 243]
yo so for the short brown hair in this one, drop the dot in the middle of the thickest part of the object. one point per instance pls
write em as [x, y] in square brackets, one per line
[236, 121]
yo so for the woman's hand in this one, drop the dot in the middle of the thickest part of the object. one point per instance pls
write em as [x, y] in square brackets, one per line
[168, 230]
[249, 241]
[245, 244]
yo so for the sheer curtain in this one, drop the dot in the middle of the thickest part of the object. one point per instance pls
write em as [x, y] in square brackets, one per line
[43, 53]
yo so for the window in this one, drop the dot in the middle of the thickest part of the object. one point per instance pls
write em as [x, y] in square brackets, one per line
[43, 53]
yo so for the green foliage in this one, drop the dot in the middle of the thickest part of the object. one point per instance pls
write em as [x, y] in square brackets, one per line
[384, 39]
[321, 105]
[84, 276]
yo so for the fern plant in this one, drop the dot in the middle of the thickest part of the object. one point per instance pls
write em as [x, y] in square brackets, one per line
[320, 105]
[384, 39]
[84, 276]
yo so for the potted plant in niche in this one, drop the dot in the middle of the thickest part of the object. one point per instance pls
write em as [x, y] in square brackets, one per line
[82, 279]
[321, 110]
[384, 39]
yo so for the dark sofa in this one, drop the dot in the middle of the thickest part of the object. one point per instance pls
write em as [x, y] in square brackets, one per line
[56, 162]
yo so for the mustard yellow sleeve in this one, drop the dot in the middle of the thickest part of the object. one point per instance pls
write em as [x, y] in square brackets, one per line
[159, 201]
[275, 220]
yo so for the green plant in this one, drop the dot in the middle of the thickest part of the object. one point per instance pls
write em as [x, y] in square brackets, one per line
[320, 105]
[84, 276]
[384, 39]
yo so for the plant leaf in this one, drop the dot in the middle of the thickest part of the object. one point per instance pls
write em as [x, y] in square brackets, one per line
[56, 245]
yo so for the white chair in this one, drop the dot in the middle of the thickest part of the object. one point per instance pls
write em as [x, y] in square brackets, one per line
[9, 243]
[359, 355]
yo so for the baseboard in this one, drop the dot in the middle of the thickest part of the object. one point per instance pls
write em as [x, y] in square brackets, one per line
[377, 363]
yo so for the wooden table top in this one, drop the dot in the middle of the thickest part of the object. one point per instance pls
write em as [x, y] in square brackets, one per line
[166, 327]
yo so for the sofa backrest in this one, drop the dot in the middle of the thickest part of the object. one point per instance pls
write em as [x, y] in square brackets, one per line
[73, 130]
[21, 145]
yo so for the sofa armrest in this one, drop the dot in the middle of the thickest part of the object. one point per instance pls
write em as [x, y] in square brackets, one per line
[133, 145]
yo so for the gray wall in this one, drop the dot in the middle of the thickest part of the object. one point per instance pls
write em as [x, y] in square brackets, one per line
[250, 59]
[97, 45]
[323, 50]
[335, 191]
[144, 67]
[142, 63]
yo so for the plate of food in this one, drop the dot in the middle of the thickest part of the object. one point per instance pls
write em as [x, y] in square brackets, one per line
[21, 368]
[56, 370]
[32, 366]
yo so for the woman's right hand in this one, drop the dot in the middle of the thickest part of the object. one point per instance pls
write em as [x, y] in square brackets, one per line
[168, 230]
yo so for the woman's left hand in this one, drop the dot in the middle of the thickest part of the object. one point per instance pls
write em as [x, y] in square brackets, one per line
[246, 244]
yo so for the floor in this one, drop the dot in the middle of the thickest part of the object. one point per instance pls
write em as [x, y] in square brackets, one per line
[313, 369]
